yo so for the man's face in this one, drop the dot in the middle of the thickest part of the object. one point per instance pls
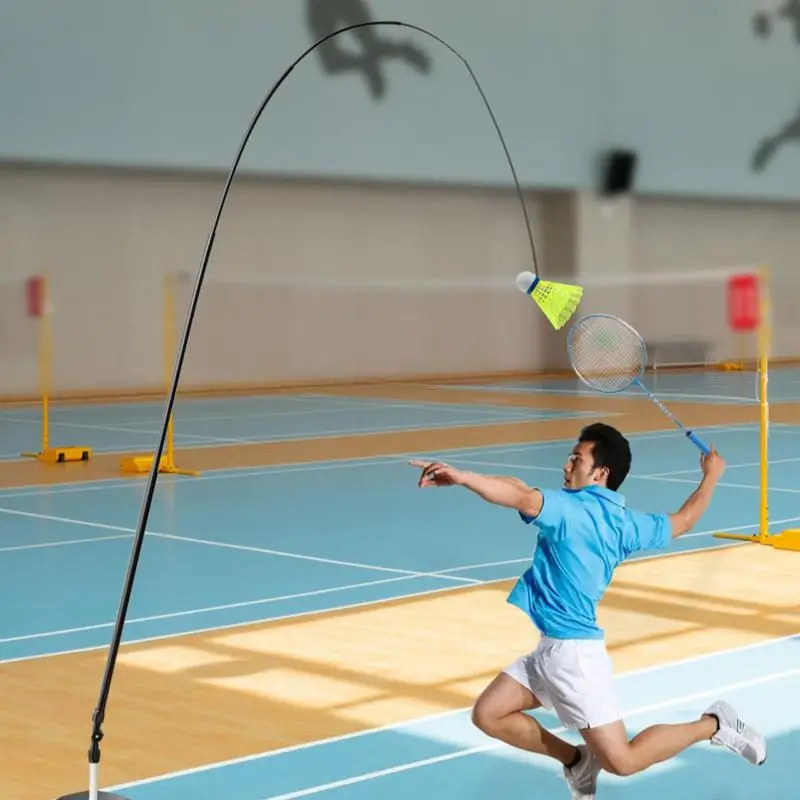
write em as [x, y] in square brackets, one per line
[579, 471]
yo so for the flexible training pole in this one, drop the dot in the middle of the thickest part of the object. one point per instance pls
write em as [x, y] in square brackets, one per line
[100, 710]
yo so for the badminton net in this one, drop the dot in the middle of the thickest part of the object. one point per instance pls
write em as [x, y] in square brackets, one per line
[252, 330]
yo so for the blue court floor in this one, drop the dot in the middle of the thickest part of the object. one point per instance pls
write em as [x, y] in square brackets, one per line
[239, 546]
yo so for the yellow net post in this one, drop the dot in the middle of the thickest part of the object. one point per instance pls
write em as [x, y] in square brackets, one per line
[40, 307]
[144, 463]
[788, 539]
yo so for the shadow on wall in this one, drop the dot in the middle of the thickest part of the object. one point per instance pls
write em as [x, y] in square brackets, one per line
[373, 46]
[789, 132]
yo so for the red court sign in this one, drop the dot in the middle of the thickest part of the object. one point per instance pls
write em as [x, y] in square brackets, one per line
[744, 311]
[34, 296]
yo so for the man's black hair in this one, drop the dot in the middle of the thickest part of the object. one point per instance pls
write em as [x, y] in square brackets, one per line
[610, 449]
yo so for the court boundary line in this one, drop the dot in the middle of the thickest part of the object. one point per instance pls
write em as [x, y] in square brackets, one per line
[722, 484]
[712, 399]
[393, 726]
[743, 465]
[224, 545]
[42, 545]
[362, 604]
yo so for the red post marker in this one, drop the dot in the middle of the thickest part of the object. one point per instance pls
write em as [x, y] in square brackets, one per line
[744, 312]
[34, 296]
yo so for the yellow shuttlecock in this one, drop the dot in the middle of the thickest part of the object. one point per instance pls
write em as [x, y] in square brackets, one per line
[558, 301]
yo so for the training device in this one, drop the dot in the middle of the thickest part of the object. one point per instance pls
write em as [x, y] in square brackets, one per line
[155, 464]
[610, 356]
[558, 301]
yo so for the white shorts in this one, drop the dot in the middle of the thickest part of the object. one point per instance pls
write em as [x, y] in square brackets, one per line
[573, 678]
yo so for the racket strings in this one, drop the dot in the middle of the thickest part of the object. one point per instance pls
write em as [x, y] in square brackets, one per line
[606, 353]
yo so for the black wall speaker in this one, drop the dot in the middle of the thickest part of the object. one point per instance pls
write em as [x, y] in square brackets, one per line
[619, 172]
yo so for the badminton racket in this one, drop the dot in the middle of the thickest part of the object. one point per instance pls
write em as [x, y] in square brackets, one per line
[609, 355]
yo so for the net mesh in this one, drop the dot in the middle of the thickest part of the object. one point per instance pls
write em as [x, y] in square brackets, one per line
[606, 353]
[253, 329]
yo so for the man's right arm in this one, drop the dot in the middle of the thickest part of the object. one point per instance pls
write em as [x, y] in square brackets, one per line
[689, 514]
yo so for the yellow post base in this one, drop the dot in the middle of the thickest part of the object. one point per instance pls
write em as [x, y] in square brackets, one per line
[62, 455]
[785, 540]
[732, 366]
[139, 464]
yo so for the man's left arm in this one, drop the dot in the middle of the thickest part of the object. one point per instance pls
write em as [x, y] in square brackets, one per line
[505, 490]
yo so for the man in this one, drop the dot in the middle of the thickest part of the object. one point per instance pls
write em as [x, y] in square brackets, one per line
[585, 531]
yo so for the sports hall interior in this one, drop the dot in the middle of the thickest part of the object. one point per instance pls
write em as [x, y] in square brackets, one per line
[304, 621]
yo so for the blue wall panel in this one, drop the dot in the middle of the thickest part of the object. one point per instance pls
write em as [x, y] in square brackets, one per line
[173, 83]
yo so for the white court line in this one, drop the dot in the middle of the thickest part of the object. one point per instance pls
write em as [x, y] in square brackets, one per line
[186, 405]
[741, 465]
[725, 484]
[495, 745]
[117, 429]
[41, 545]
[336, 562]
[206, 610]
[311, 466]
[412, 723]
[342, 607]
[586, 393]
[251, 406]
[348, 407]
[231, 546]
[786, 428]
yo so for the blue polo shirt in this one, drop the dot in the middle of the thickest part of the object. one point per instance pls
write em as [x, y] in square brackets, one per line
[584, 535]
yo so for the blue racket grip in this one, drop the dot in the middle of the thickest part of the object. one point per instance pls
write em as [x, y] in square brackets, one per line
[698, 442]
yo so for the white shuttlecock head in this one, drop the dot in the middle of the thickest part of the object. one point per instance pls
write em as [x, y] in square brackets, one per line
[525, 281]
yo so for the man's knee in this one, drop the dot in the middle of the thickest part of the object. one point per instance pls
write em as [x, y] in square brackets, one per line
[612, 749]
[617, 760]
[503, 697]
[620, 762]
[484, 718]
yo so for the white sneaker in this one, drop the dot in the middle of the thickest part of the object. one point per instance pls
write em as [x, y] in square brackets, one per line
[582, 778]
[737, 736]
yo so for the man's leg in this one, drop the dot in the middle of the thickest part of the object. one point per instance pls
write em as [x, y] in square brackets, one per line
[498, 712]
[610, 745]
[719, 725]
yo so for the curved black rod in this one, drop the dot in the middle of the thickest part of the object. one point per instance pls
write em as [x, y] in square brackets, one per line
[99, 714]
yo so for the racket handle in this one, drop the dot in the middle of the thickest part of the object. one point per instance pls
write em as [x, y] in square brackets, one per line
[698, 442]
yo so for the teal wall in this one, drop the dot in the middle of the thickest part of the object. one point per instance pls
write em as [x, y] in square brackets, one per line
[173, 83]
